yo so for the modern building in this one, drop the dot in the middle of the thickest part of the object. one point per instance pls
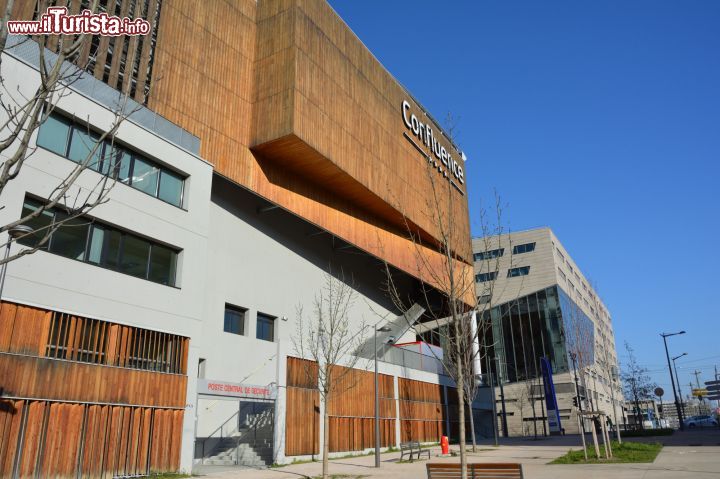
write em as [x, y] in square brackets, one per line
[267, 149]
[542, 305]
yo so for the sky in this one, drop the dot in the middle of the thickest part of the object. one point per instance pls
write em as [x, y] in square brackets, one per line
[600, 119]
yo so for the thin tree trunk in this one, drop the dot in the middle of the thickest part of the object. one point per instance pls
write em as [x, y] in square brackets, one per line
[461, 402]
[326, 442]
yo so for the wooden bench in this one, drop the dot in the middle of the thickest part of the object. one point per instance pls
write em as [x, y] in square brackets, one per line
[412, 449]
[499, 470]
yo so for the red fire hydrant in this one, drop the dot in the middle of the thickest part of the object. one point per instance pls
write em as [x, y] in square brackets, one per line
[444, 445]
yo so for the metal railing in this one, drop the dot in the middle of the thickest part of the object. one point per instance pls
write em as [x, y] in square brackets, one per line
[412, 360]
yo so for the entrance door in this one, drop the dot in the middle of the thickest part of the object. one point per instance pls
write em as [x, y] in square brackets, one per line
[234, 431]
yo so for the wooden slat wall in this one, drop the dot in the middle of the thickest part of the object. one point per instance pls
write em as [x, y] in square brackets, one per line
[302, 414]
[33, 377]
[422, 411]
[35, 337]
[61, 439]
[22, 328]
[297, 72]
[38, 332]
[356, 394]
[352, 411]
[357, 433]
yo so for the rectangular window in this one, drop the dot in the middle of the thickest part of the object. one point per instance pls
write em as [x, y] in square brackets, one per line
[484, 299]
[171, 188]
[82, 144]
[54, 135]
[265, 327]
[234, 320]
[88, 240]
[562, 274]
[75, 142]
[524, 248]
[495, 253]
[485, 277]
[70, 239]
[145, 176]
[521, 271]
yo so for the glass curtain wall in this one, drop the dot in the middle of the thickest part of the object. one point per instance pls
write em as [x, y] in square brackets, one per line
[523, 331]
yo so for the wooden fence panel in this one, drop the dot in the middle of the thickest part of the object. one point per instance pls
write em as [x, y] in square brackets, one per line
[302, 423]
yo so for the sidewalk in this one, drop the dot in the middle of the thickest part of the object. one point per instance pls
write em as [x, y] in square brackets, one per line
[674, 461]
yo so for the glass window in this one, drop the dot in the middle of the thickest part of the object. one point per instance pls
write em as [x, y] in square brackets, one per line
[81, 144]
[145, 176]
[41, 224]
[235, 320]
[524, 248]
[83, 239]
[484, 277]
[484, 299]
[70, 239]
[171, 187]
[521, 271]
[54, 134]
[117, 163]
[95, 248]
[75, 142]
[265, 327]
[162, 265]
[111, 250]
[135, 252]
[562, 274]
[483, 255]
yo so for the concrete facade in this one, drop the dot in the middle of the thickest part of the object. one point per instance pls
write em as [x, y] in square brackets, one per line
[548, 267]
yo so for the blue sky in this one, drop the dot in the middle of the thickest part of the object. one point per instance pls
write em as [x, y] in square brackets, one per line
[598, 119]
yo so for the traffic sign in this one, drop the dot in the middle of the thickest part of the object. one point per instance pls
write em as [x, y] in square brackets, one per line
[713, 398]
[713, 387]
[700, 392]
[713, 383]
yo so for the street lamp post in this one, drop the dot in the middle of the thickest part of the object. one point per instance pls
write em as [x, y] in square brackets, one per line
[14, 233]
[682, 405]
[672, 379]
[383, 329]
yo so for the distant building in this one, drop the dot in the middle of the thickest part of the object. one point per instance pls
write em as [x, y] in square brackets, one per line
[542, 305]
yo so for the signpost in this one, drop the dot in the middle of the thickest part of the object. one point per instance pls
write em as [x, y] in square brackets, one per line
[553, 412]
[713, 390]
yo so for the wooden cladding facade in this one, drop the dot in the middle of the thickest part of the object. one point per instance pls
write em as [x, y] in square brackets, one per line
[422, 407]
[302, 416]
[62, 440]
[423, 410]
[80, 397]
[288, 103]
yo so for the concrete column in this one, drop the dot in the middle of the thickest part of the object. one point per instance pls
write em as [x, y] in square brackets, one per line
[396, 392]
[280, 404]
[187, 451]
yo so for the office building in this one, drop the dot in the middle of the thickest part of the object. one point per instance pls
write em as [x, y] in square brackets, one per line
[542, 305]
[267, 148]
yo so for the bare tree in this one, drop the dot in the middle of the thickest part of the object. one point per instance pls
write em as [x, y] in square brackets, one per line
[333, 341]
[637, 384]
[23, 111]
